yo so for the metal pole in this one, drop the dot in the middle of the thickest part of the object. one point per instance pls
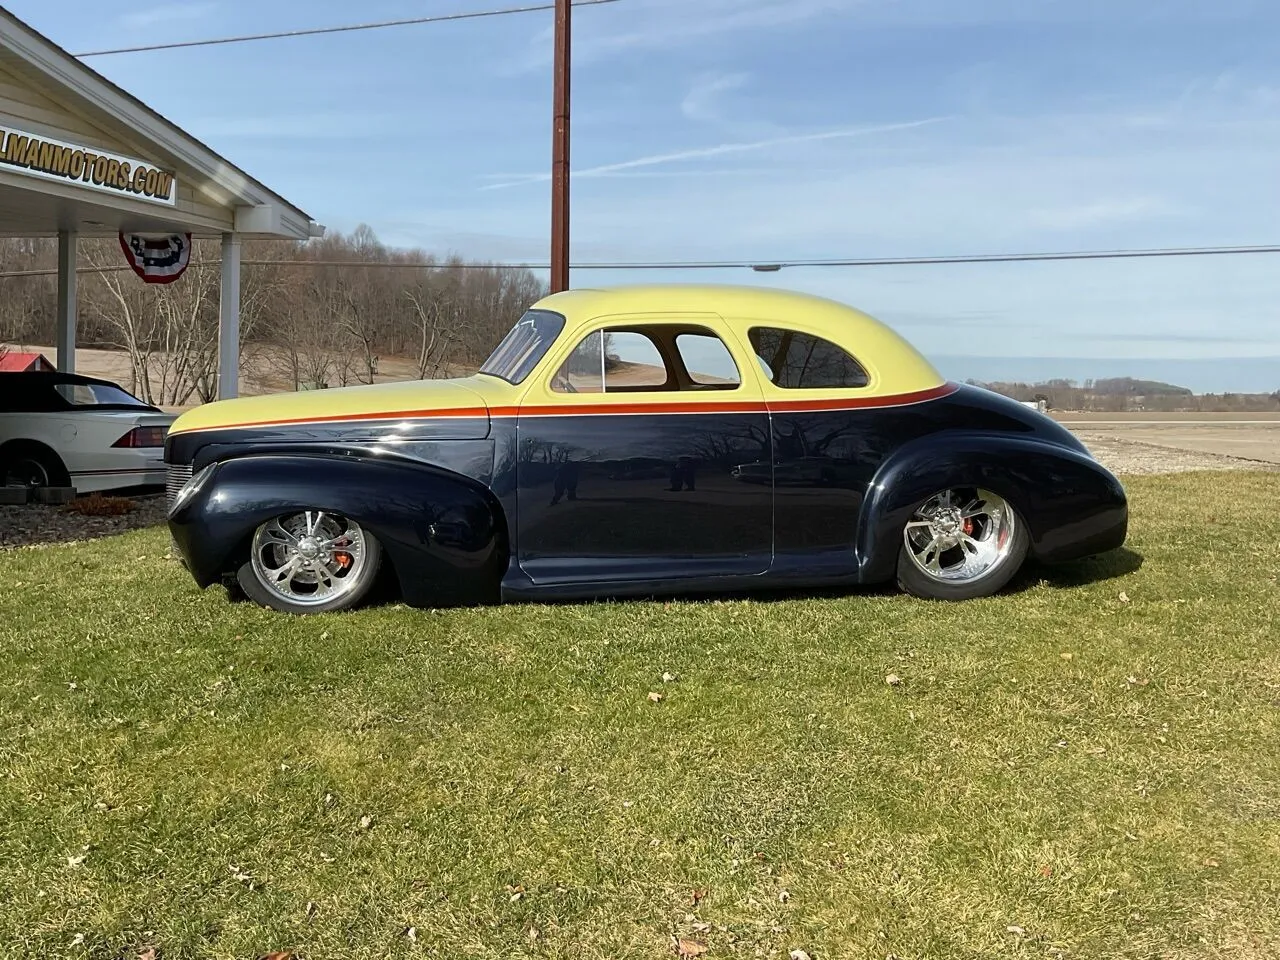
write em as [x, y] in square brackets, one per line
[560, 152]
[68, 243]
[229, 320]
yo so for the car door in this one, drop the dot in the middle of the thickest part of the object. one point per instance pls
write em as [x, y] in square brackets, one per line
[829, 437]
[629, 456]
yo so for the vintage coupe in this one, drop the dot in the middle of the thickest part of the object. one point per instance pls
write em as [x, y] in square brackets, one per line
[636, 441]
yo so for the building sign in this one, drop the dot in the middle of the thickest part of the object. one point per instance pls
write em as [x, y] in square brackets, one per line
[157, 259]
[99, 170]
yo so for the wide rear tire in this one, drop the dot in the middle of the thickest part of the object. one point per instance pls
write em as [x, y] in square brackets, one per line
[960, 544]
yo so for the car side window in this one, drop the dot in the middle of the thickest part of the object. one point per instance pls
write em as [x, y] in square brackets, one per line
[707, 360]
[650, 357]
[613, 360]
[801, 361]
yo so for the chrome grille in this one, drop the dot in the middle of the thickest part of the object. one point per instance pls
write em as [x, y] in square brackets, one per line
[179, 474]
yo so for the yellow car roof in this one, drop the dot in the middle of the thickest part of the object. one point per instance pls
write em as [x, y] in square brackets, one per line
[893, 364]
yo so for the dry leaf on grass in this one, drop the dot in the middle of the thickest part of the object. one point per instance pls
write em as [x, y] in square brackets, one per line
[799, 954]
[1124, 597]
[148, 954]
[279, 955]
[668, 678]
[699, 895]
[689, 948]
[893, 680]
[654, 696]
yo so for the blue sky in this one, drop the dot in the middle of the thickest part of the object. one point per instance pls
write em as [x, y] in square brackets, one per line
[779, 129]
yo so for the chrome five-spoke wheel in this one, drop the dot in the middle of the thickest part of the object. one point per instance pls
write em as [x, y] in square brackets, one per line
[309, 562]
[960, 543]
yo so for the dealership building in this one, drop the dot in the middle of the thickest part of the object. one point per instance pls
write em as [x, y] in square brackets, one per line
[80, 157]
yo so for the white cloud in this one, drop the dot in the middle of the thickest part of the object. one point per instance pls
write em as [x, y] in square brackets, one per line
[1103, 212]
[169, 13]
[702, 102]
[294, 126]
[663, 24]
[702, 153]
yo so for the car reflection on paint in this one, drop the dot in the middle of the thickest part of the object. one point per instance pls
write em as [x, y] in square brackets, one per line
[637, 441]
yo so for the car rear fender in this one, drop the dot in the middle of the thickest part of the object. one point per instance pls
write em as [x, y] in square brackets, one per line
[444, 534]
[1071, 504]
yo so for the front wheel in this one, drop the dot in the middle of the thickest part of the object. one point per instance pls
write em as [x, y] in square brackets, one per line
[310, 562]
[961, 544]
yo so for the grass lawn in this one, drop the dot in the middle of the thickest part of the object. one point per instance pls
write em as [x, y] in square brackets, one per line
[1088, 767]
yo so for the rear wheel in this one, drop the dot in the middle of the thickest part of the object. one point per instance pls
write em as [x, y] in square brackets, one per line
[310, 562]
[32, 466]
[960, 544]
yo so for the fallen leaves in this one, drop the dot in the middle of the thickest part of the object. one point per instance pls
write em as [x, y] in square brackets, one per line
[893, 680]
[798, 954]
[689, 948]
[1124, 597]
[366, 822]
[668, 678]
[699, 895]
[655, 697]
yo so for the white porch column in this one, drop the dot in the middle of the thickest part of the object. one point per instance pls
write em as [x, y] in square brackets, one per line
[229, 319]
[68, 245]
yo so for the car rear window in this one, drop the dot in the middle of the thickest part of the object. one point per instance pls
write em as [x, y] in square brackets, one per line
[96, 395]
[801, 361]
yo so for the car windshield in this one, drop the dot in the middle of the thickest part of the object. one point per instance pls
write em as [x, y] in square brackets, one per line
[97, 395]
[526, 344]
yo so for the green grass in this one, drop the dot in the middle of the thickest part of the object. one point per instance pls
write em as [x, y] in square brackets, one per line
[1063, 772]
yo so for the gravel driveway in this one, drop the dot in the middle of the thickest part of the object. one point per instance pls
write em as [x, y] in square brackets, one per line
[38, 524]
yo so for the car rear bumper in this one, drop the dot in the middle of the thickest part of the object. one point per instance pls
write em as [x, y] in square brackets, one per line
[100, 480]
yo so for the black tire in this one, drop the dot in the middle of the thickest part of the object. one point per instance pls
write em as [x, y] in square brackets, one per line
[247, 580]
[32, 465]
[914, 581]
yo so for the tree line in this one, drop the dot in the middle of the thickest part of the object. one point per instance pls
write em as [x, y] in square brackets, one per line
[305, 322]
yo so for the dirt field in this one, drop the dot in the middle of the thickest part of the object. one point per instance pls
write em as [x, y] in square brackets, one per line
[254, 380]
[1165, 443]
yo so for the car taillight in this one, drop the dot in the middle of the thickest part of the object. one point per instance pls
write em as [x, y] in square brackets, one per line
[143, 437]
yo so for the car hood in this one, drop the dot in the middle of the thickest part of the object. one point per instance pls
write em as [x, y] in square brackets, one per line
[453, 401]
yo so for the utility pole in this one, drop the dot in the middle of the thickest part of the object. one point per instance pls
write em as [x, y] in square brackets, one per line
[560, 151]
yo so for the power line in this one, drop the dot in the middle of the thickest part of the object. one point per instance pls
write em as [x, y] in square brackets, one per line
[765, 266]
[348, 28]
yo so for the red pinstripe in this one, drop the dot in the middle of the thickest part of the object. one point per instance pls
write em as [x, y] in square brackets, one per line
[605, 409]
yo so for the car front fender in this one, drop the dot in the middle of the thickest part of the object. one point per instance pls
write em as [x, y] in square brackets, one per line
[443, 533]
[1072, 506]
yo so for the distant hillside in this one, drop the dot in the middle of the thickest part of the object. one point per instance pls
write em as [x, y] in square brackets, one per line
[1206, 375]
[1116, 394]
